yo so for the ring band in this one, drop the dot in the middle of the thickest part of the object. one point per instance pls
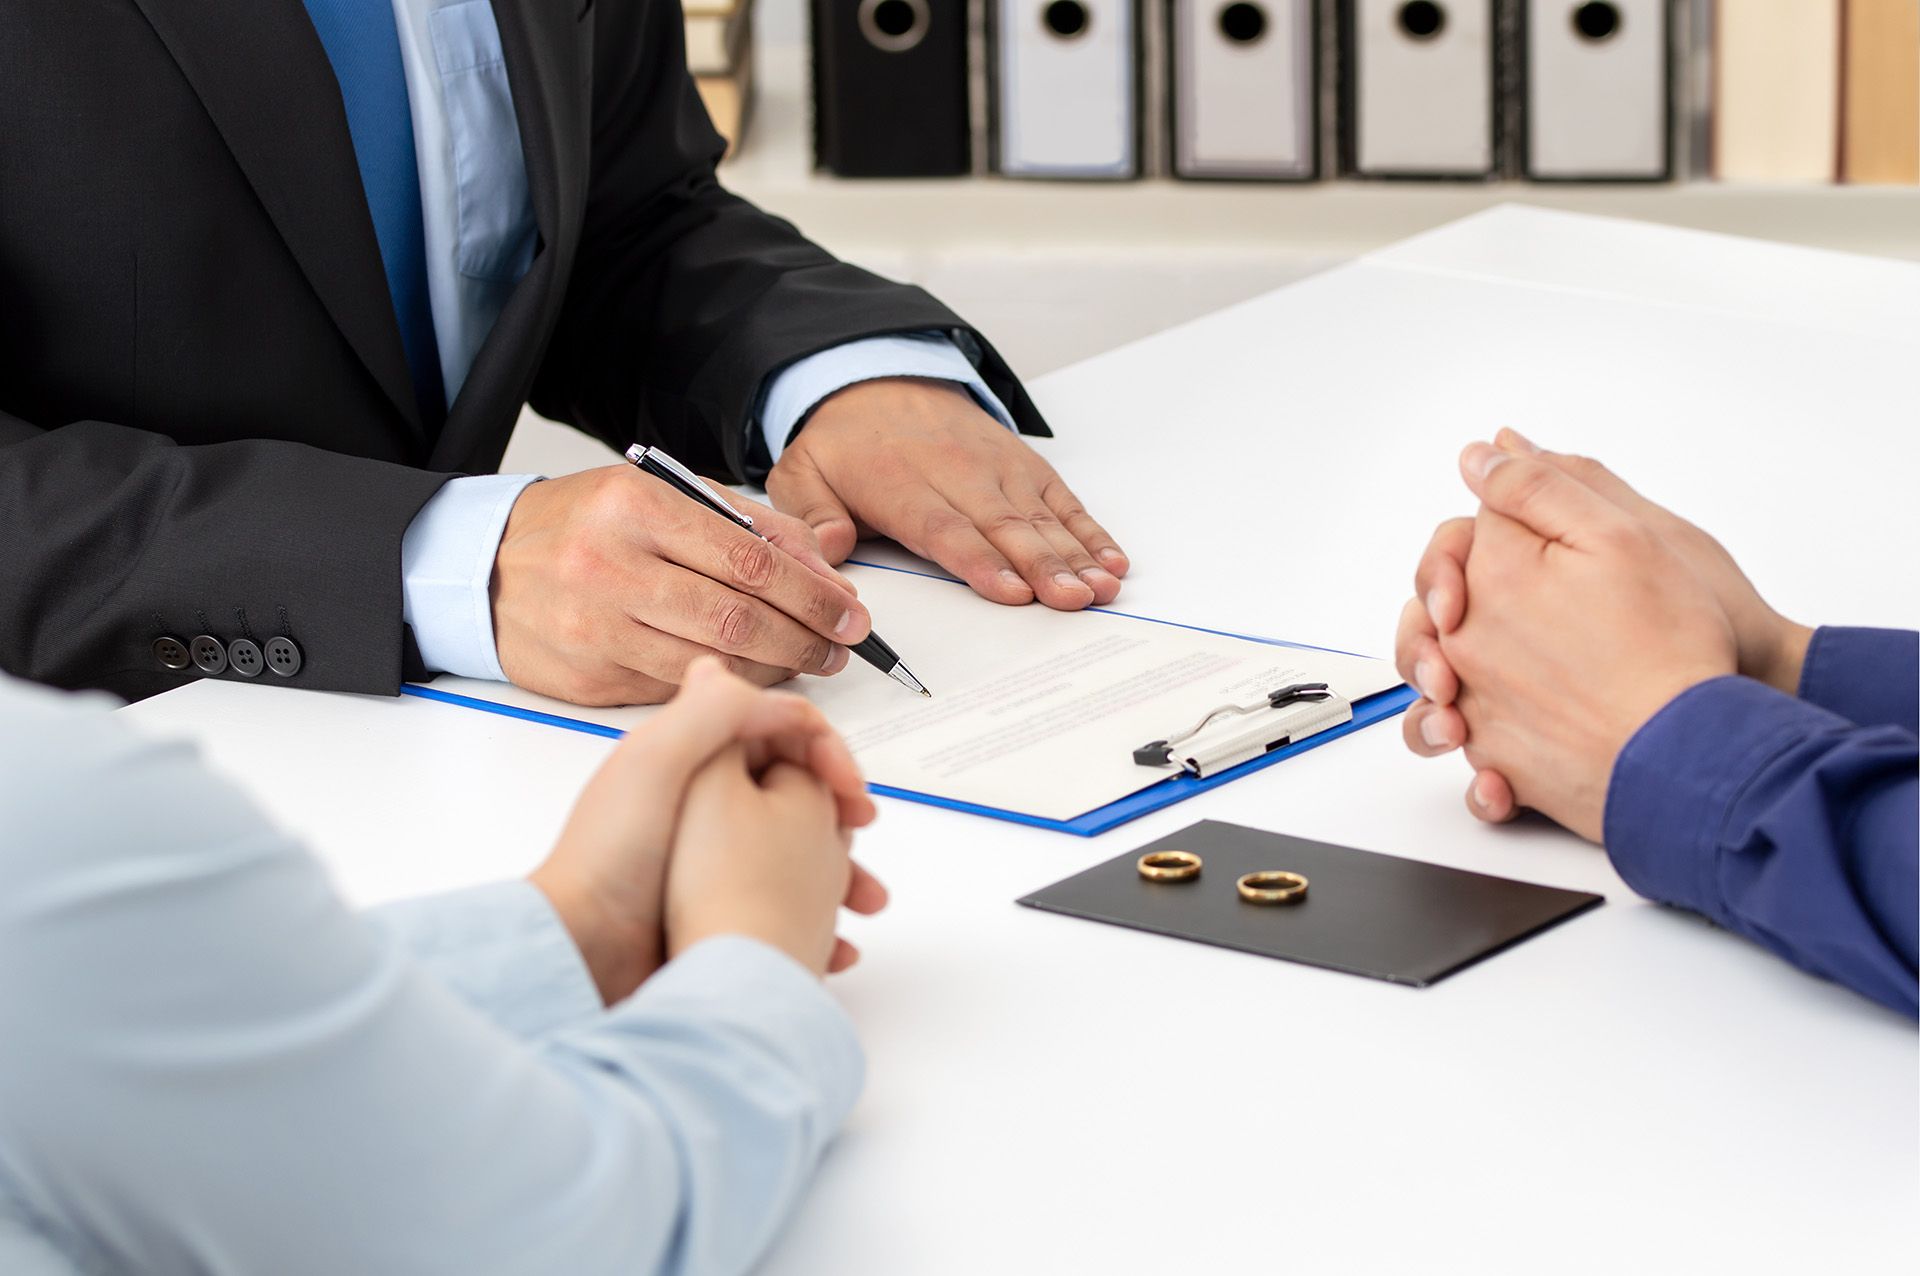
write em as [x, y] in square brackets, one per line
[1273, 887]
[1169, 866]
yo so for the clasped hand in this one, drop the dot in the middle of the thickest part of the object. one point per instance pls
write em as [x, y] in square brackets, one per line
[1547, 629]
[730, 813]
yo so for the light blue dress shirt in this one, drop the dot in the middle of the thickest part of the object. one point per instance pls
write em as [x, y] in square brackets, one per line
[209, 1065]
[480, 235]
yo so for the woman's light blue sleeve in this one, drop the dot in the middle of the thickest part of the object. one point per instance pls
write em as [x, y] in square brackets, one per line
[211, 1065]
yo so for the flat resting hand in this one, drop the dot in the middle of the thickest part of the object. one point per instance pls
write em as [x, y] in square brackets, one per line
[919, 461]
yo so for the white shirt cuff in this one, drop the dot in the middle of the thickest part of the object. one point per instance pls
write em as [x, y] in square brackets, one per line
[446, 570]
[799, 388]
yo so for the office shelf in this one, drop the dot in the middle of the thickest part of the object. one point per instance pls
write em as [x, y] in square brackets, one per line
[1318, 221]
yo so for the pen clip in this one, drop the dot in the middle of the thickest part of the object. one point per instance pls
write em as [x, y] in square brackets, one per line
[657, 463]
[1254, 735]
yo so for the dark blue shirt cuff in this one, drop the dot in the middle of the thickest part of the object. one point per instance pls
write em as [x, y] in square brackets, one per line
[1783, 822]
[1678, 779]
[1867, 676]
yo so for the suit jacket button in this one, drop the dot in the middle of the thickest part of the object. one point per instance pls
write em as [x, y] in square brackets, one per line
[208, 655]
[283, 657]
[244, 658]
[171, 653]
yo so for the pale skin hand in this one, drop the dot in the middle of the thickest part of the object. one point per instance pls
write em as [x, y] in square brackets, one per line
[759, 852]
[919, 461]
[608, 584]
[1582, 624]
[606, 876]
[1772, 649]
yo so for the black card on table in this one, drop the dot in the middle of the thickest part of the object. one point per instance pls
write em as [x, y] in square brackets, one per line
[1366, 914]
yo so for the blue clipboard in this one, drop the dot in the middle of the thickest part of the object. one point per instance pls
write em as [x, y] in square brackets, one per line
[1177, 788]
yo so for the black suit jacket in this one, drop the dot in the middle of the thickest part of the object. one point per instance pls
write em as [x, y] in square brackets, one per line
[206, 421]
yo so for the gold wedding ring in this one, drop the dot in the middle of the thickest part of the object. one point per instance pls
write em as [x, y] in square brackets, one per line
[1273, 887]
[1169, 866]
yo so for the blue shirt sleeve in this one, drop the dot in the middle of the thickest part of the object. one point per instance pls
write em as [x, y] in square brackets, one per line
[1868, 676]
[795, 392]
[503, 950]
[210, 1062]
[1782, 821]
[446, 572]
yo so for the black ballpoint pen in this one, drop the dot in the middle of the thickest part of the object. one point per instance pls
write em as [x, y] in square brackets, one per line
[872, 649]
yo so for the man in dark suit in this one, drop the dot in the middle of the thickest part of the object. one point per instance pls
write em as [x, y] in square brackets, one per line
[276, 277]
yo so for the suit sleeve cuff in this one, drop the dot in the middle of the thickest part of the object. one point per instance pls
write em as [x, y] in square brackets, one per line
[1677, 784]
[796, 391]
[759, 991]
[1867, 676]
[503, 950]
[446, 569]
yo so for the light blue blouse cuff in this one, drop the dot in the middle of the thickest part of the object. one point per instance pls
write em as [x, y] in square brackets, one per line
[502, 949]
[764, 994]
[446, 569]
[800, 388]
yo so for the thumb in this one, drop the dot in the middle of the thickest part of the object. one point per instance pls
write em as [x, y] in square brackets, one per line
[661, 755]
[1545, 500]
[795, 538]
[788, 782]
[800, 489]
[1584, 468]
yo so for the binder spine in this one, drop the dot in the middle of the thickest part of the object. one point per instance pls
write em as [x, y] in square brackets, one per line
[1520, 95]
[890, 89]
[1349, 108]
[1170, 110]
[996, 96]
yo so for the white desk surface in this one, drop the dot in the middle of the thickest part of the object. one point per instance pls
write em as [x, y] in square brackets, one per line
[1631, 1091]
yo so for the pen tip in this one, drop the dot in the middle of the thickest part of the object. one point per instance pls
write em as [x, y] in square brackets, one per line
[904, 676]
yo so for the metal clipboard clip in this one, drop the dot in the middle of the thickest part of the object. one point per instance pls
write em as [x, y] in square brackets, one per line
[1287, 715]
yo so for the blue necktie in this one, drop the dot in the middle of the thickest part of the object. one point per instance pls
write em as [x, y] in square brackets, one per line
[363, 45]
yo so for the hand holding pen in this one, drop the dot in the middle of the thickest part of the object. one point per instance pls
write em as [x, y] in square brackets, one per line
[608, 584]
[651, 460]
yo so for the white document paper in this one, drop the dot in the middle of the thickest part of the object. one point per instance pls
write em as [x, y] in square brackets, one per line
[1033, 710]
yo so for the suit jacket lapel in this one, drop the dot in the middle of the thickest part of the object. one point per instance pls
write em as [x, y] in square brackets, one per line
[263, 76]
[549, 55]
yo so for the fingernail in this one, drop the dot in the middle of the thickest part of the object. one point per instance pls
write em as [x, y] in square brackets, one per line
[835, 661]
[1437, 600]
[845, 628]
[1113, 558]
[1423, 672]
[1097, 579]
[1483, 459]
[1520, 440]
[1430, 732]
[1012, 580]
[1068, 581]
[1479, 794]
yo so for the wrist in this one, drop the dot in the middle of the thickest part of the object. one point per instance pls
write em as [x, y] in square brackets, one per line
[884, 398]
[1784, 657]
[620, 951]
[770, 927]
